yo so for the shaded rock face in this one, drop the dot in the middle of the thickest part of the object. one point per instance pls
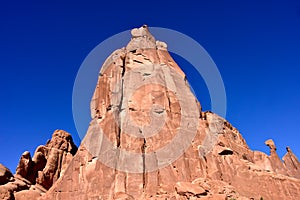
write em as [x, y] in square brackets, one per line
[5, 175]
[139, 106]
[34, 176]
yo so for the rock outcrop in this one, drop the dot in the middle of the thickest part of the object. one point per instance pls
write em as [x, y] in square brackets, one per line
[34, 176]
[291, 163]
[150, 139]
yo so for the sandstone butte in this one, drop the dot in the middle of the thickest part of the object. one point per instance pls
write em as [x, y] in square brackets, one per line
[141, 103]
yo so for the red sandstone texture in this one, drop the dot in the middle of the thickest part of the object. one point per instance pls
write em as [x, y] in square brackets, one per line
[150, 139]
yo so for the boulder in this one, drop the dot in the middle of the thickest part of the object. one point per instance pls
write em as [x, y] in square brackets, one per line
[5, 175]
[27, 194]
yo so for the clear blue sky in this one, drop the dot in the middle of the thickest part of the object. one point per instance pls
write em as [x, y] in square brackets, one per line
[256, 46]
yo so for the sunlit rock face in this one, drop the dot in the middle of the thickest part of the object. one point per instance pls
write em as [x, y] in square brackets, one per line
[149, 139]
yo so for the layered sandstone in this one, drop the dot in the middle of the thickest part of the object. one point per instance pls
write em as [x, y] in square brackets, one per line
[150, 139]
[34, 176]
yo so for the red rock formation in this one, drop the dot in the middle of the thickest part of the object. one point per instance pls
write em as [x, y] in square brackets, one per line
[35, 175]
[55, 157]
[291, 163]
[143, 114]
[149, 139]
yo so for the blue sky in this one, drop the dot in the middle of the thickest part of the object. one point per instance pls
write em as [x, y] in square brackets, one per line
[254, 44]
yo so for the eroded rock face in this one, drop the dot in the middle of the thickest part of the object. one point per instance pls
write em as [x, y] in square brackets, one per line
[140, 105]
[6, 194]
[34, 176]
[25, 167]
[55, 157]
